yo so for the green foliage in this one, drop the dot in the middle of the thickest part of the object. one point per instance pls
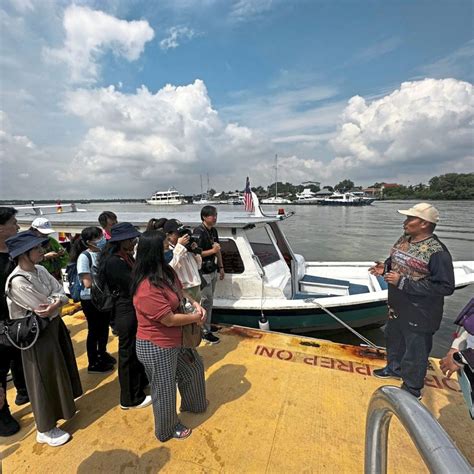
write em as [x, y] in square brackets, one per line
[451, 186]
[344, 185]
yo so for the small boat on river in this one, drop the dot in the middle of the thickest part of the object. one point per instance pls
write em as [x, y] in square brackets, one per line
[345, 199]
[265, 276]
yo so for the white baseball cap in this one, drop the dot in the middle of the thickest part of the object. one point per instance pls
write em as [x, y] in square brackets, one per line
[42, 225]
[424, 211]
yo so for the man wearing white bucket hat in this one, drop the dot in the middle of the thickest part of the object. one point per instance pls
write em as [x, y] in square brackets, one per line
[419, 273]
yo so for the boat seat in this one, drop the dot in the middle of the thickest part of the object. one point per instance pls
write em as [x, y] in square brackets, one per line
[355, 289]
[352, 288]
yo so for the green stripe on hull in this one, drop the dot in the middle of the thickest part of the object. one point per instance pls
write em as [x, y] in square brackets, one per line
[354, 316]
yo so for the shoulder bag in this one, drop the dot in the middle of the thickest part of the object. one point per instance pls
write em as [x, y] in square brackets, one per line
[190, 333]
[21, 333]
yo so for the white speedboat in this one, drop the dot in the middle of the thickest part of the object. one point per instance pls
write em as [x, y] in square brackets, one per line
[344, 199]
[264, 275]
[363, 196]
[166, 198]
[307, 197]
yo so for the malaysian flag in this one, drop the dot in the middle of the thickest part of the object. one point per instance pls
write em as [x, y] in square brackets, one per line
[248, 201]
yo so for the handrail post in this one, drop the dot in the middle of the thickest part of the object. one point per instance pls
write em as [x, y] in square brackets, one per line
[434, 445]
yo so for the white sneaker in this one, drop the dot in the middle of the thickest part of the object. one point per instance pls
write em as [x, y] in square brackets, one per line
[54, 437]
[143, 404]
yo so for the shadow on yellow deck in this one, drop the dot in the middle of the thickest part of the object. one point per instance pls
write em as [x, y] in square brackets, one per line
[278, 403]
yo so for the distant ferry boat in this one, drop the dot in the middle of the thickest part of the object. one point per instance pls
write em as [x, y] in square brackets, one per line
[166, 198]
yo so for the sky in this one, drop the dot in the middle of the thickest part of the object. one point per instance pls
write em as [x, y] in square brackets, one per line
[117, 99]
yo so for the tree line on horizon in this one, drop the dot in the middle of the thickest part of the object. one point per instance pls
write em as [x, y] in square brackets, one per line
[450, 186]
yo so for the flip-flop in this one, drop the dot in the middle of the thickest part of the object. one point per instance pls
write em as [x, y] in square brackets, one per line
[181, 432]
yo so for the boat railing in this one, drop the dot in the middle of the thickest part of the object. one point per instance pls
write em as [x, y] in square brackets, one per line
[438, 451]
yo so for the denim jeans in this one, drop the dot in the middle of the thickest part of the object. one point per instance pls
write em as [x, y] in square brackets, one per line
[407, 354]
[207, 297]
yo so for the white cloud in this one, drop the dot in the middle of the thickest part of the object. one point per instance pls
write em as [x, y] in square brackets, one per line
[292, 112]
[243, 10]
[90, 33]
[23, 6]
[175, 35]
[457, 64]
[423, 126]
[158, 139]
[377, 50]
[19, 159]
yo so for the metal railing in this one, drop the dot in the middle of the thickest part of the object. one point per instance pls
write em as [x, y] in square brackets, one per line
[434, 445]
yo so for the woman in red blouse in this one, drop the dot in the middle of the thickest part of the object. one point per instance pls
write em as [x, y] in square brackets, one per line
[157, 300]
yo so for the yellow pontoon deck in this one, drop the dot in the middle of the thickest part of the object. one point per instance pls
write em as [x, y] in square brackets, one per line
[278, 403]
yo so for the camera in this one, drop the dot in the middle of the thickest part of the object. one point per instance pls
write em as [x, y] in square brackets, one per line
[192, 239]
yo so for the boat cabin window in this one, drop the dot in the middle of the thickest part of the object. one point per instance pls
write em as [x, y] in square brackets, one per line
[231, 256]
[262, 245]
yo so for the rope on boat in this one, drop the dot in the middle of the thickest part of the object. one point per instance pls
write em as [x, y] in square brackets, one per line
[352, 330]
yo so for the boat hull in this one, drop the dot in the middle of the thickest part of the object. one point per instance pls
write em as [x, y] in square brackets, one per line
[344, 203]
[307, 319]
[172, 202]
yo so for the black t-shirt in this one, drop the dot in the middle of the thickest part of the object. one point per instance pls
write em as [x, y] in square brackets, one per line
[118, 275]
[207, 238]
[6, 267]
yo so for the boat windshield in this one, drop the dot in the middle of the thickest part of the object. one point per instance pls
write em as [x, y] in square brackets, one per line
[262, 245]
[231, 258]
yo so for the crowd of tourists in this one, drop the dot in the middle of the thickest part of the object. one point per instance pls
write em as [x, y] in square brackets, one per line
[156, 294]
[159, 286]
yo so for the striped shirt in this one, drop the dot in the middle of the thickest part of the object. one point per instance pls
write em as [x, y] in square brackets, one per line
[186, 265]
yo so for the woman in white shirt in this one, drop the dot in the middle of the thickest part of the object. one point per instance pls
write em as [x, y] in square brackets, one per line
[51, 374]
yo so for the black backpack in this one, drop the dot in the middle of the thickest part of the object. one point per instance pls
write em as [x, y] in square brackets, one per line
[101, 296]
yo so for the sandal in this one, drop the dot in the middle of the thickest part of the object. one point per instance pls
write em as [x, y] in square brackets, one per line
[181, 432]
[183, 410]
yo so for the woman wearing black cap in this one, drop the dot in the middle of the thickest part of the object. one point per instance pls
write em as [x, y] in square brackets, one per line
[115, 268]
[50, 366]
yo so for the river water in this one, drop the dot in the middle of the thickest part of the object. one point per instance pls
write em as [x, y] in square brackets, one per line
[324, 233]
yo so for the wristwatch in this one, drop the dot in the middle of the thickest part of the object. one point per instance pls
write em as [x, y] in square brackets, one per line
[457, 357]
